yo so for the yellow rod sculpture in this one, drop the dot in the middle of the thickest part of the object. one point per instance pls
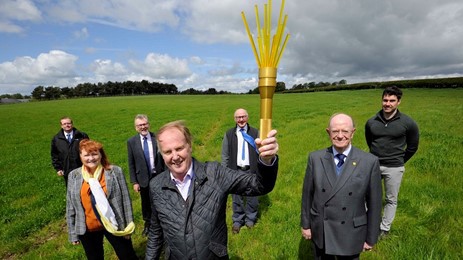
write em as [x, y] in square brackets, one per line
[268, 53]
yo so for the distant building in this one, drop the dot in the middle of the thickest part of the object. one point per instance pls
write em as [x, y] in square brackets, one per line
[12, 100]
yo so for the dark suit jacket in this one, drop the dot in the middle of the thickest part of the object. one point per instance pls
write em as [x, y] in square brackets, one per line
[138, 169]
[342, 212]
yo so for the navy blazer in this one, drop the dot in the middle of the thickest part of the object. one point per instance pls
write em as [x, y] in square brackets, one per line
[342, 212]
[138, 169]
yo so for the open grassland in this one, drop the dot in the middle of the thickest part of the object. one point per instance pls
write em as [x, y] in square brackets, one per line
[428, 225]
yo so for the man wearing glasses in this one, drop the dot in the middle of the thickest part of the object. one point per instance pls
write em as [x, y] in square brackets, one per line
[144, 163]
[238, 153]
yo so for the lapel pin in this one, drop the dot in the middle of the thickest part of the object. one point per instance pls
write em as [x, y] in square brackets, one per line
[354, 163]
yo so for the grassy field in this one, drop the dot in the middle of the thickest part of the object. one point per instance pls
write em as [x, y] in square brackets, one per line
[428, 225]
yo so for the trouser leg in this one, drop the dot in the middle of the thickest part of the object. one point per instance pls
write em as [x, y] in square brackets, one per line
[238, 210]
[123, 247]
[392, 177]
[92, 242]
[252, 206]
[145, 204]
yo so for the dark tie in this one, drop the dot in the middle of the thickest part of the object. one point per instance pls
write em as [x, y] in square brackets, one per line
[340, 157]
[69, 138]
[146, 151]
[250, 141]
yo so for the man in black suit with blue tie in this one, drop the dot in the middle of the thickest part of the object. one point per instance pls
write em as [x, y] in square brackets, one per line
[341, 197]
[239, 153]
[144, 163]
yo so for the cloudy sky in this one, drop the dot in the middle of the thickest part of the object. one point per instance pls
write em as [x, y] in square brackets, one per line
[203, 44]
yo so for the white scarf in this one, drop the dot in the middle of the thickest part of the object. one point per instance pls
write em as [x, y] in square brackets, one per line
[107, 216]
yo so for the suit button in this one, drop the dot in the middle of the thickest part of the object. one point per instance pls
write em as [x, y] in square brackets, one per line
[326, 205]
[350, 193]
[323, 190]
[343, 222]
[344, 208]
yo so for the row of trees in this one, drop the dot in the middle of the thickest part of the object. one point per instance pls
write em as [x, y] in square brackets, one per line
[109, 88]
[148, 88]
[281, 86]
[320, 84]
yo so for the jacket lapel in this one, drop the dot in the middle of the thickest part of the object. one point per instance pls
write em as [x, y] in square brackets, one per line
[328, 166]
[109, 180]
[346, 172]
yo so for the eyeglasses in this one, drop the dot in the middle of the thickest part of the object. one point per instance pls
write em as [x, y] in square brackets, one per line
[142, 125]
[241, 117]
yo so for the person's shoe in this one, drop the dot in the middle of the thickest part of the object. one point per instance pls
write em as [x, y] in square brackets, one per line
[145, 231]
[236, 229]
[249, 224]
[383, 234]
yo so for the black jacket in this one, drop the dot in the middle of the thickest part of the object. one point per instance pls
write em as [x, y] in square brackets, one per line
[64, 155]
[394, 141]
[196, 228]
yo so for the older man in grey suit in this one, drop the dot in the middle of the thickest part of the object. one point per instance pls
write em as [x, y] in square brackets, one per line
[341, 197]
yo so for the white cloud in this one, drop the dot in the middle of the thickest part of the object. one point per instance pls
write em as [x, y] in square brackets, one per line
[12, 11]
[143, 15]
[82, 33]
[161, 66]
[330, 40]
[19, 10]
[52, 68]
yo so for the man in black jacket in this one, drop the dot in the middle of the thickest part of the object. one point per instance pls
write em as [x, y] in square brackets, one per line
[65, 148]
[238, 154]
[189, 199]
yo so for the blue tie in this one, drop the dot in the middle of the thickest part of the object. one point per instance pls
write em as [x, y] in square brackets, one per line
[340, 157]
[69, 138]
[146, 151]
[248, 139]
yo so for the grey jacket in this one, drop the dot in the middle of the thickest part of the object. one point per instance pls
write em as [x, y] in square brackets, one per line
[342, 212]
[138, 169]
[196, 228]
[117, 195]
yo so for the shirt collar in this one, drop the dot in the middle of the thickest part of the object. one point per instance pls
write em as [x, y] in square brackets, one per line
[189, 175]
[239, 128]
[346, 152]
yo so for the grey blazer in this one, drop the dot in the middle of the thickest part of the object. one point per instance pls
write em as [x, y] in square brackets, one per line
[117, 194]
[342, 212]
[138, 169]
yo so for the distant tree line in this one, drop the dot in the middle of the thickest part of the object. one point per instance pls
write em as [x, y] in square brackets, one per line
[126, 88]
[413, 83]
[150, 88]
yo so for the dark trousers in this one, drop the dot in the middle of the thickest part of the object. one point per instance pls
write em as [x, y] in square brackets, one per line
[93, 245]
[145, 204]
[319, 254]
[244, 209]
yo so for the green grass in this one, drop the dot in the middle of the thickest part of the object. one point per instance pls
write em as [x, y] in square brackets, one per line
[428, 224]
